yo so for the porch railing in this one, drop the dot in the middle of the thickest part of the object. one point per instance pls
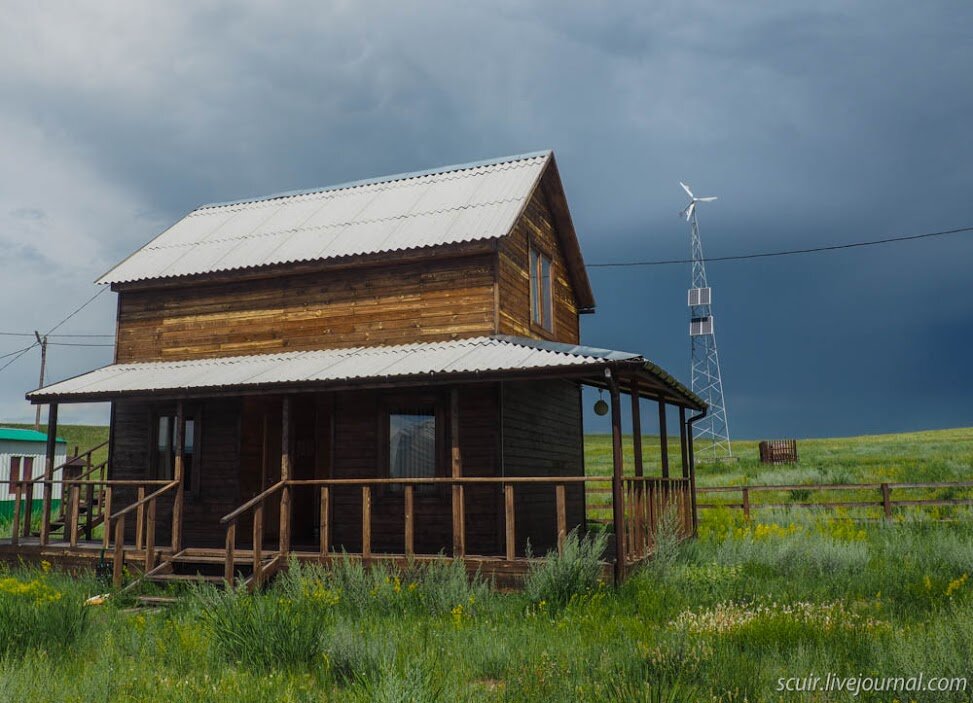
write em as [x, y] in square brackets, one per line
[645, 502]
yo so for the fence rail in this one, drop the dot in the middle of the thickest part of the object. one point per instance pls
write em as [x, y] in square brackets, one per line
[884, 500]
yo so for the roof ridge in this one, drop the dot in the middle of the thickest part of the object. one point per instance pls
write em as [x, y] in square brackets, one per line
[378, 180]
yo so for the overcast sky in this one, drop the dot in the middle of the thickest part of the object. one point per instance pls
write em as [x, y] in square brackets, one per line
[831, 123]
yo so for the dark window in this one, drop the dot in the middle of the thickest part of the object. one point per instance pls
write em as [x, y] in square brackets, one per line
[14, 471]
[541, 290]
[412, 445]
[165, 449]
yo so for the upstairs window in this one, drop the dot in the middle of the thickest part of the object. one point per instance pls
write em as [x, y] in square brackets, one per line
[165, 450]
[541, 290]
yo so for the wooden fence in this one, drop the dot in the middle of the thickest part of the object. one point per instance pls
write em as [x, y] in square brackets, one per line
[800, 494]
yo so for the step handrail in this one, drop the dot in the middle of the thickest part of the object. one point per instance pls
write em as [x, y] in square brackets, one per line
[259, 498]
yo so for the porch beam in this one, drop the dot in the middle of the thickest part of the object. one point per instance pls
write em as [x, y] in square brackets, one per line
[636, 426]
[663, 438]
[618, 505]
[48, 477]
[285, 475]
[179, 471]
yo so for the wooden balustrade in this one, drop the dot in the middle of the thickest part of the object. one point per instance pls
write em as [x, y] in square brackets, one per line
[645, 502]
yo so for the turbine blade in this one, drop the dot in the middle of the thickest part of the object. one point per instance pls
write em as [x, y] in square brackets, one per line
[690, 210]
[686, 188]
[706, 200]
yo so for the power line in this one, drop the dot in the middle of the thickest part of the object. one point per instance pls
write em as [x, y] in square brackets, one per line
[72, 314]
[60, 336]
[787, 252]
[19, 351]
[78, 344]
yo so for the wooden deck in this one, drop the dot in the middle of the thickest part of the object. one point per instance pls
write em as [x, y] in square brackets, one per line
[209, 563]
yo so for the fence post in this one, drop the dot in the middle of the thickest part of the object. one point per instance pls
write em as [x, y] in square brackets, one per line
[74, 498]
[229, 567]
[366, 522]
[119, 556]
[746, 504]
[105, 523]
[140, 518]
[325, 521]
[562, 527]
[509, 525]
[410, 529]
[887, 500]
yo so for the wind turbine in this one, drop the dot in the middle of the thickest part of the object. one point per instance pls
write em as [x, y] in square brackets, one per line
[691, 208]
[707, 382]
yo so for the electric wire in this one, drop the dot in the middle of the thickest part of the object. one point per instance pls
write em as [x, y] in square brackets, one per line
[786, 252]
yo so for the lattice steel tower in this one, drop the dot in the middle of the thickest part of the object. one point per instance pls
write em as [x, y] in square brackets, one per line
[713, 431]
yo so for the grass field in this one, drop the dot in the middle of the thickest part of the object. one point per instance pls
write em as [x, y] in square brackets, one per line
[722, 618]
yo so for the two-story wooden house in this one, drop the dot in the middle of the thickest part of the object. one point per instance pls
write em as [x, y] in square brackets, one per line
[391, 368]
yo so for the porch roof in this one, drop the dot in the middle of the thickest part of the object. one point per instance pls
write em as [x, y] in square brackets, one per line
[479, 358]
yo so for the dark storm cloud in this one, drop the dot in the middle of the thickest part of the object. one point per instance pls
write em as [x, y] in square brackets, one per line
[828, 123]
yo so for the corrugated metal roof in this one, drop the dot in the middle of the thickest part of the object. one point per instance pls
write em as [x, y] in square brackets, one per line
[450, 205]
[18, 434]
[480, 355]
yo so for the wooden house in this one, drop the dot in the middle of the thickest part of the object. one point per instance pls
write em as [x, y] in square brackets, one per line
[390, 368]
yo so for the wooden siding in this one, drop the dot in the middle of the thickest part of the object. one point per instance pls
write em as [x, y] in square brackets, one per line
[217, 461]
[542, 436]
[431, 300]
[356, 454]
[536, 225]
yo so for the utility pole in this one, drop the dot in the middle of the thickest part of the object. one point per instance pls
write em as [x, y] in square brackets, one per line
[43, 342]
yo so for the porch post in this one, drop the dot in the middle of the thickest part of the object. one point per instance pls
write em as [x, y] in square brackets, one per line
[618, 506]
[285, 475]
[178, 472]
[663, 437]
[683, 445]
[48, 477]
[692, 470]
[636, 425]
[456, 471]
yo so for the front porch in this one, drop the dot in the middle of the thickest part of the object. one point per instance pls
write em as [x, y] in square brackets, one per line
[230, 483]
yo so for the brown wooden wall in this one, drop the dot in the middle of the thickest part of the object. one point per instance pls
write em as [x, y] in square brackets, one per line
[430, 300]
[356, 454]
[338, 435]
[218, 462]
[535, 225]
[543, 436]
